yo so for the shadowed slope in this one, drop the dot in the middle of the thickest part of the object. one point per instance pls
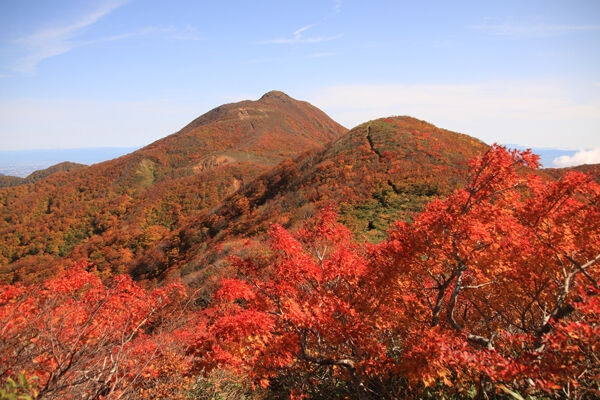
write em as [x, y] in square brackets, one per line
[66, 166]
[378, 172]
[9, 181]
[111, 211]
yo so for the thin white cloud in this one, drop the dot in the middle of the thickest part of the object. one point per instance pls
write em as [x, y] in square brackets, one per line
[322, 55]
[55, 41]
[532, 28]
[591, 156]
[59, 40]
[126, 35]
[542, 114]
[188, 33]
[337, 6]
[298, 37]
[298, 33]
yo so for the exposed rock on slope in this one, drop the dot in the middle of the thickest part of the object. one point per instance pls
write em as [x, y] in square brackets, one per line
[378, 172]
[111, 211]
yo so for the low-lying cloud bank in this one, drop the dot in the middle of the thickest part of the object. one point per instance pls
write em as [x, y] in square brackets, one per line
[581, 157]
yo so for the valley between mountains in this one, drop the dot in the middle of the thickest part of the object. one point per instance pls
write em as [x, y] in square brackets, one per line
[264, 251]
[223, 178]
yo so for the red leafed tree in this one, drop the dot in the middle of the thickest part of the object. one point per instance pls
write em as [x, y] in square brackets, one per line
[497, 264]
[483, 289]
[302, 310]
[75, 337]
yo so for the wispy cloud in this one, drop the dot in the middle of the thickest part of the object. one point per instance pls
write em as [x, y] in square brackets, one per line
[55, 41]
[322, 55]
[298, 37]
[581, 157]
[188, 33]
[337, 6]
[531, 28]
[32, 49]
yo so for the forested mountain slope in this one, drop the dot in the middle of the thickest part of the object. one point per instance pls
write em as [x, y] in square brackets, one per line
[592, 170]
[179, 205]
[379, 172]
[126, 204]
[66, 166]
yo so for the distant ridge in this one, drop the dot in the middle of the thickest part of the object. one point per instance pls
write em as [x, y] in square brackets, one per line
[377, 173]
[111, 211]
[21, 163]
[66, 166]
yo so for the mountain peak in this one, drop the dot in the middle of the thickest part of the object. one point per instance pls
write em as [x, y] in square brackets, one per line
[276, 94]
[267, 131]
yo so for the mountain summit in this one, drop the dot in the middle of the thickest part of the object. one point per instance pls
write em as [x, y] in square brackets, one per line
[275, 95]
[267, 130]
[379, 172]
[174, 205]
[109, 211]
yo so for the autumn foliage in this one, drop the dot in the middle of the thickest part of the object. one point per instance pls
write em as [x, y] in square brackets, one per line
[111, 212]
[376, 174]
[73, 337]
[491, 292]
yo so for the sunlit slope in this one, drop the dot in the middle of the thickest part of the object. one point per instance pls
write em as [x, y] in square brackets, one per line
[379, 172]
[66, 166]
[110, 212]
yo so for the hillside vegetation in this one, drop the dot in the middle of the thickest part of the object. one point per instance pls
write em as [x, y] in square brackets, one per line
[375, 174]
[66, 166]
[111, 211]
[265, 252]
[490, 292]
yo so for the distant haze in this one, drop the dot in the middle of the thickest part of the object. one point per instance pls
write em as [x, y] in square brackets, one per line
[23, 162]
[125, 73]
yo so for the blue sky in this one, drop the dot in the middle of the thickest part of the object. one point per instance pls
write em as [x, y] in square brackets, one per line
[125, 73]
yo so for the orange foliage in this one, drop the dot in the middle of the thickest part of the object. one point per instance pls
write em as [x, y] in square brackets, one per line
[78, 338]
[105, 212]
[479, 291]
